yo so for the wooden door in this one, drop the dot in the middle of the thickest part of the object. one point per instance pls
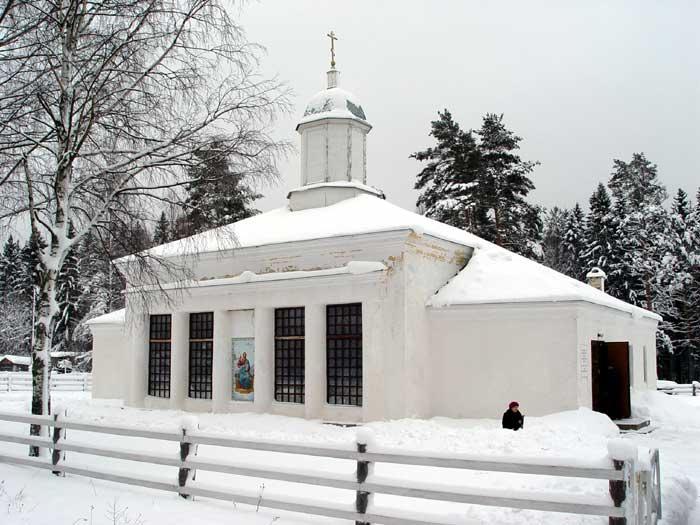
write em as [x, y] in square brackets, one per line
[599, 363]
[619, 380]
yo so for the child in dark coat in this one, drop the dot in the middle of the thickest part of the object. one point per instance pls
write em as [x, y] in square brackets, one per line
[512, 418]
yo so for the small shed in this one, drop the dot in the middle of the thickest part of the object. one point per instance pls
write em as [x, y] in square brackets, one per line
[14, 363]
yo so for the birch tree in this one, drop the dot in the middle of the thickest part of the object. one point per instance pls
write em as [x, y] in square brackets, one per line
[103, 108]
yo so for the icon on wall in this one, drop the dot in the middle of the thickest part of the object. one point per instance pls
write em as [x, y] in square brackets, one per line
[243, 349]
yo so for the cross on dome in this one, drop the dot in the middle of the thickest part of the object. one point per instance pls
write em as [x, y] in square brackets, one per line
[333, 38]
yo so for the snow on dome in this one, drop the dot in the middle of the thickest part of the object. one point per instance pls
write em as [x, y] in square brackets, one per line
[333, 103]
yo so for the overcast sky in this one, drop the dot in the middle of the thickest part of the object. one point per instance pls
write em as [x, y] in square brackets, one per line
[582, 82]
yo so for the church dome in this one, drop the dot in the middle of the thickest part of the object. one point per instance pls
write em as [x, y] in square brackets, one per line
[333, 102]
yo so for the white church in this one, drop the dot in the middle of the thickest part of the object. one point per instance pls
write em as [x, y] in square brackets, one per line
[343, 307]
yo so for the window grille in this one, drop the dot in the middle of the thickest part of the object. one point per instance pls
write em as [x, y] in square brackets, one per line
[289, 355]
[159, 356]
[201, 354]
[344, 354]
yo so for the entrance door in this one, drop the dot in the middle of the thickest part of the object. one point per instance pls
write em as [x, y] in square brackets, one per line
[611, 378]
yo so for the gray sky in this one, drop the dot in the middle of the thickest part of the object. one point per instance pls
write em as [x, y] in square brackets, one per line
[582, 82]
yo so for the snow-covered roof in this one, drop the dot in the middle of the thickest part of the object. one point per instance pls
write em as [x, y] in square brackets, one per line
[17, 359]
[495, 275]
[358, 215]
[115, 317]
[333, 103]
[340, 184]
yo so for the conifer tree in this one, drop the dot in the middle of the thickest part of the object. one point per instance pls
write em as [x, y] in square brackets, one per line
[516, 225]
[450, 183]
[598, 230]
[553, 243]
[68, 297]
[162, 232]
[217, 194]
[10, 268]
[574, 245]
[641, 224]
[681, 278]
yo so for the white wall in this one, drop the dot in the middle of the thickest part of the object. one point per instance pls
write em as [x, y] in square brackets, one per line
[110, 358]
[537, 354]
[605, 324]
[486, 356]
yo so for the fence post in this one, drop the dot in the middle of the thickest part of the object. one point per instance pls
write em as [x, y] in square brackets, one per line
[623, 454]
[362, 497]
[184, 474]
[56, 452]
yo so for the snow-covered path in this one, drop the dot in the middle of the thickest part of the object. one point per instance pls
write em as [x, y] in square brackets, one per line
[30, 497]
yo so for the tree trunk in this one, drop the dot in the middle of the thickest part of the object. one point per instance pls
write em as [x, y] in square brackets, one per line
[41, 365]
[497, 222]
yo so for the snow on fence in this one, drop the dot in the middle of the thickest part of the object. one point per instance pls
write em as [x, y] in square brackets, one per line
[22, 382]
[672, 388]
[633, 477]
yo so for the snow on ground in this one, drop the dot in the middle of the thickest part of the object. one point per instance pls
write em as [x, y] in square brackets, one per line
[677, 437]
[30, 496]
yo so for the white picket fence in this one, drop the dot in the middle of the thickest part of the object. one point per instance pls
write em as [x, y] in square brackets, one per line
[22, 382]
[634, 482]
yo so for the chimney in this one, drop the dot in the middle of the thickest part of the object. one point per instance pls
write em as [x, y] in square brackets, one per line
[596, 278]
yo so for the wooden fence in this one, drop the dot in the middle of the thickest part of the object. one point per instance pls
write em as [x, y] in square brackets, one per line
[22, 382]
[692, 389]
[634, 486]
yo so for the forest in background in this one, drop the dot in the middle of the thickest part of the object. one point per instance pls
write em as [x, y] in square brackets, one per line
[647, 243]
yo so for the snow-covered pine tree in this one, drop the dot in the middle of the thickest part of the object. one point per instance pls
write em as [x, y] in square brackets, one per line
[681, 279]
[556, 222]
[598, 230]
[450, 183]
[218, 194]
[642, 223]
[506, 184]
[624, 280]
[10, 267]
[574, 245]
[162, 232]
[68, 292]
[27, 273]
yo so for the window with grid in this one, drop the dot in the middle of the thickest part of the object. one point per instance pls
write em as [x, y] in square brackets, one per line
[201, 354]
[289, 355]
[344, 354]
[159, 356]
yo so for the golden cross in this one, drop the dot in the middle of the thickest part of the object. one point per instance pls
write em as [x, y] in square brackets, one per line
[333, 38]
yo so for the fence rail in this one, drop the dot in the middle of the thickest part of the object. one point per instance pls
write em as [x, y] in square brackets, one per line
[634, 487]
[692, 389]
[22, 382]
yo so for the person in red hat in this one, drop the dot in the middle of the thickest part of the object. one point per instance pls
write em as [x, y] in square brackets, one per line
[512, 418]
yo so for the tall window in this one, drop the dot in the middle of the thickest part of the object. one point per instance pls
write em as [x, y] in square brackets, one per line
[289, 355]
[159, 356]
[344, 354]
[201, 350]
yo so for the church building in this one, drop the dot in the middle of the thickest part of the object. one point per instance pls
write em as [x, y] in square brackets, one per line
[343, 307]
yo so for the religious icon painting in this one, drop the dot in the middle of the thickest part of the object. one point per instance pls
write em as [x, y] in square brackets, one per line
[243, 353]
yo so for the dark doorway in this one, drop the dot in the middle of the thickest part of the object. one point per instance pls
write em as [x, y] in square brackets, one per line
[610, 367]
